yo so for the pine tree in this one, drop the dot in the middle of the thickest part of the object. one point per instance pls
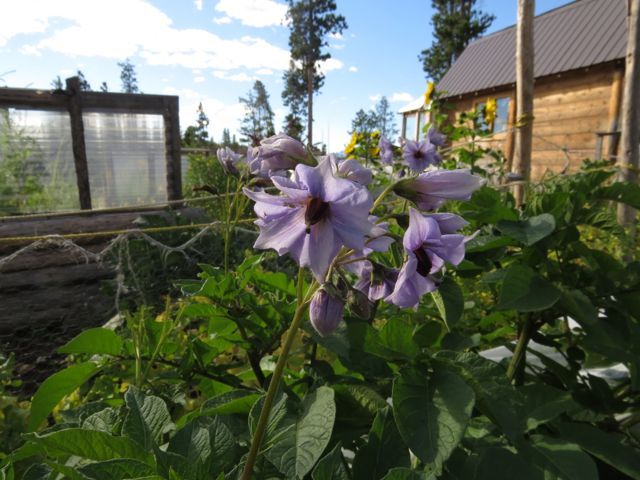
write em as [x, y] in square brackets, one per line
[310, 21]
[455, 24]
[84, 84]
[57, 84]
[197, 135]
[128, 77]
[226, 138]
[258, 119]
[364, 123]
[385, 121]
[103, 87]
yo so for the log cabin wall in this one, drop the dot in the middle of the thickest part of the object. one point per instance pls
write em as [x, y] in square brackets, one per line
[569, 110]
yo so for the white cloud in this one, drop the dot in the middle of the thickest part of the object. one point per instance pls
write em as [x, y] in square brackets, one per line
[198, 79]
[222, 20]
[84, 30]
[329, 65]
[336, 36]
[264, 71]
[353, 69]
[375, 98]
[221, 115]
[403, 97]
[237, 77]
[337, 46]
[254, 13]
[198, 4]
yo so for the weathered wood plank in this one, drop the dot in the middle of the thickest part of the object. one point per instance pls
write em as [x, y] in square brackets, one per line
[77, 139]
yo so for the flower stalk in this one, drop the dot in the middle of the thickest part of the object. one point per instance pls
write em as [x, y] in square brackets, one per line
[276, 378]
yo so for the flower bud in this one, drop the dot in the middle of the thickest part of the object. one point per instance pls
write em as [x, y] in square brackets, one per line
[359, 304]
[325, 311]
[280, 152]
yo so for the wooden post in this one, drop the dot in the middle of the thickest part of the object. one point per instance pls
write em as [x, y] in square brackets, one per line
[511, 133]
[630, 137]
[78, 145]
[524, 95]
[172, 148]
[614, 113]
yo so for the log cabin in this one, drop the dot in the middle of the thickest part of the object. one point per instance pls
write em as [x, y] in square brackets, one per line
[579, 70]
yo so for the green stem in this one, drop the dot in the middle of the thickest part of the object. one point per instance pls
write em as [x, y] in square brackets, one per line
[274, 384]
[519, 355]
[382, 195]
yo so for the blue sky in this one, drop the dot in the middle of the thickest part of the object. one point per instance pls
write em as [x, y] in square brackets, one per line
[211, 51]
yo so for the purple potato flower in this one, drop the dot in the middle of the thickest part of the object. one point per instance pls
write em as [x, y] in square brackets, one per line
[431, 189]
[419, 155]
[278, 152]
[316, 215]
[376, 281]
[325, 311]
[427, 250]
[435, 137]
[352, 170]
[229, 159]
[386, 151]
[377, 241]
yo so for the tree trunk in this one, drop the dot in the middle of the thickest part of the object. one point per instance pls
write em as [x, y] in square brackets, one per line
[310, 71]
[630, 115]
[524, 95]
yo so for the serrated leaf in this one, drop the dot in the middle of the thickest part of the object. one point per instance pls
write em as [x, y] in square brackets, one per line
[55, 388]
[449, 301]
[90, 444]
[384, 449]
[94, 341]
[297, 451]
[528, 231]
[431, 413]
[526, 291]
[147, 419]
[117, 469]
[331, 466]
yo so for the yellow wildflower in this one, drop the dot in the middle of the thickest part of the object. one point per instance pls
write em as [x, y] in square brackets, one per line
[375, 134]
[429, 92]
[352, 144]
[490, 110]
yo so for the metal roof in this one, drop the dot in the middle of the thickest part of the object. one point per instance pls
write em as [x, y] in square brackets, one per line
[577, 35]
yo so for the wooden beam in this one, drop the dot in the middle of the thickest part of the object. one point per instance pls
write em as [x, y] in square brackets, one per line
[172, 148]
[77, 138]
[630, 111]
[510, 141]
[524, 95]
[615, 101]
[37, 99]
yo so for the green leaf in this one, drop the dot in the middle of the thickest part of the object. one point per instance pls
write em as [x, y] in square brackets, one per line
[384, 449]
[623, 192]
[300, 447]
[117, 469]
[192, 442]
[147, 419]
[563, 459]
[501, 464]
[607, 447]
[94, 341]
[528, 231]
[450, 302]
[526, 291]
[431, 413]
[55, 388]
[397, 337]
[544, 403]
[405, 474]
[579, 306]
[331, 466]
[90, 444]
[235, 401]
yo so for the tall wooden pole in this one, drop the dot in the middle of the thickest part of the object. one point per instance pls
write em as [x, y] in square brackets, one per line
[630, 156]
[524, 95]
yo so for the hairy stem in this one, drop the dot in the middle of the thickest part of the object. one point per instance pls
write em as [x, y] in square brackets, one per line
[274, 384]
